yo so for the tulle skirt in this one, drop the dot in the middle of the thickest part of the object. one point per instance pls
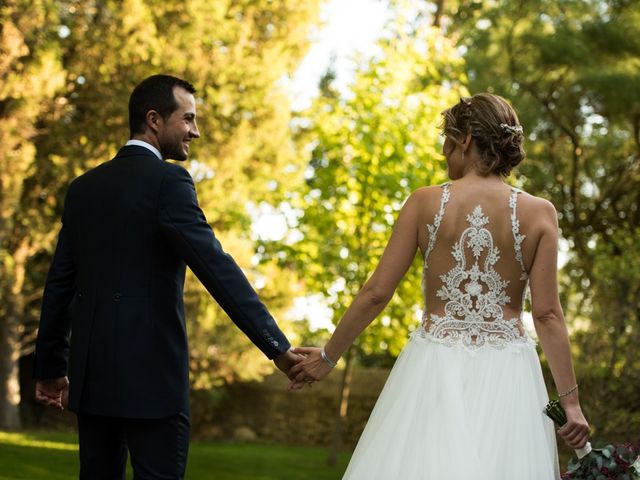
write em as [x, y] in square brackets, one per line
[446, 413]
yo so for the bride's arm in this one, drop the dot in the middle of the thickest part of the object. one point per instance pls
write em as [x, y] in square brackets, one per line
[550, 326]
[372, 298]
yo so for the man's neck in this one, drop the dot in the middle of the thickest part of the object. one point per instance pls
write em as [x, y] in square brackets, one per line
[150, 139]
[143, 142]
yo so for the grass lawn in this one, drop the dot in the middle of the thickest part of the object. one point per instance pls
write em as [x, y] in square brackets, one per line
[54, 456]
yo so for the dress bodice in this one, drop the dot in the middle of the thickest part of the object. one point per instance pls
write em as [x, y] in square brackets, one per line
[471, 293]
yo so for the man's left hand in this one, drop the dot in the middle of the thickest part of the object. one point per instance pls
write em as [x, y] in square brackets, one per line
[53, 392]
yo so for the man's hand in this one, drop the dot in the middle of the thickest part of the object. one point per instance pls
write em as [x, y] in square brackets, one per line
[53, 392]
[287, 360]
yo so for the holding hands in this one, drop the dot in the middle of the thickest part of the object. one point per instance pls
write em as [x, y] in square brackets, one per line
[304, 365]
[315, 366]
[286, 361]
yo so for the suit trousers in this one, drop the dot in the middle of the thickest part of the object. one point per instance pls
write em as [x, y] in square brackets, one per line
[158, 447]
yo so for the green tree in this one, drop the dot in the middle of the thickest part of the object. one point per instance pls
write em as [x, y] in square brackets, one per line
[368, 149]
[30, 76]
[572, 69]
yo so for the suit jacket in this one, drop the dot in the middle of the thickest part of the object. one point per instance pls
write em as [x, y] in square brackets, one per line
[113, 313]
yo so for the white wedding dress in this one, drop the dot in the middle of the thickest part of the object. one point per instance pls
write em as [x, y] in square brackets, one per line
[465, 397]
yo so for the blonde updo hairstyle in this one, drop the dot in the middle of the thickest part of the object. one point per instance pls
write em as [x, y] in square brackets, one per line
[494, 127]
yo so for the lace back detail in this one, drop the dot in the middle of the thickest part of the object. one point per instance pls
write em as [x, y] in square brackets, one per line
[515, 229]
[433, 228]
[473, 290]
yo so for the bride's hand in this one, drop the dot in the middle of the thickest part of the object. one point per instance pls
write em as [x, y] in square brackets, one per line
[309, 370]
[575, 432]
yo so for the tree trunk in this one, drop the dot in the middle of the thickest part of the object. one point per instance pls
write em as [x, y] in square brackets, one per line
[12, 314]
[345, 389]
[9, 377]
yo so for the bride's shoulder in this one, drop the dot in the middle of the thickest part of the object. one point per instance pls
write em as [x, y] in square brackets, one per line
[533, 202]
[422, 199]
[537, 210]
[428, 193]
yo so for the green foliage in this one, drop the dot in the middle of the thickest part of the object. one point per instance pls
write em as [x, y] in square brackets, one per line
[571, 68]
[368, 150]
[606, 462]
[30, 75]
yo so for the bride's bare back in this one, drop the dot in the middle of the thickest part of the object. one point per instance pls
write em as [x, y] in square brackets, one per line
[475, 267]
[514, 235]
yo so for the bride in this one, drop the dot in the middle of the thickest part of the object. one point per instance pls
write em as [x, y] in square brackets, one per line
[465, 397]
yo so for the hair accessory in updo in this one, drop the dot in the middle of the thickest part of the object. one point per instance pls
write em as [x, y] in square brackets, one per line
[511, 128]
[494, 126]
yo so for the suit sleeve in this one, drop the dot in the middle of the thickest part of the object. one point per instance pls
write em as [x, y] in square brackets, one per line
[52, 343]
[186, 229]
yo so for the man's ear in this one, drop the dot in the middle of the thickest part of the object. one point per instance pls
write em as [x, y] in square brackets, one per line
[153, 120]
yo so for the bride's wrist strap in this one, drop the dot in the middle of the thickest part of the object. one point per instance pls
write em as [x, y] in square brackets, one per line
[571, 390]
[327, 360]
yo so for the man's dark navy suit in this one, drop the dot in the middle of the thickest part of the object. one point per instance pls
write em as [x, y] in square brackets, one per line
[129, 228]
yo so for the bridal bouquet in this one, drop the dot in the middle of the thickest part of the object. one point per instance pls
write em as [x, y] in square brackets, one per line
[621, 462]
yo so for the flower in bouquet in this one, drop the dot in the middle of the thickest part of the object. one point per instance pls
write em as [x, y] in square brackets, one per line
[621, 462]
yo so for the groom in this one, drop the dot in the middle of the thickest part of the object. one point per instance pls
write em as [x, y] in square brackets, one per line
[112, 330]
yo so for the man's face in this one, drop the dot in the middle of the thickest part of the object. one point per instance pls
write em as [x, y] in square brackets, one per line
[179, 128]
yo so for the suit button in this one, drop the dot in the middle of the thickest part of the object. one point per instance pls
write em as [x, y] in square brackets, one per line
[117, 297]
[79, 296]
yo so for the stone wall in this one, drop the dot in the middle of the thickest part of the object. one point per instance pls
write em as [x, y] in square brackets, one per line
[267, 411]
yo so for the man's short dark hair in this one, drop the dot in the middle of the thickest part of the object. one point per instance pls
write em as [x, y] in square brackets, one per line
[154, 93]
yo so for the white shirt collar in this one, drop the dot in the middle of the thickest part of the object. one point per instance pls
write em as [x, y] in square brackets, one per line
[141, 143]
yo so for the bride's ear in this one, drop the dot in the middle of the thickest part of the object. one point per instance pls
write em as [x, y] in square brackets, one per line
[466, 142]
